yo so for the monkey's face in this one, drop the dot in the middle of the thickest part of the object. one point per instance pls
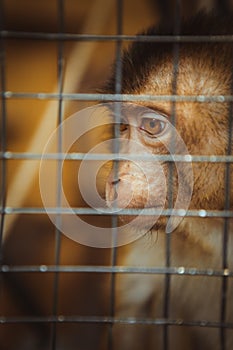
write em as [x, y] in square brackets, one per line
[140, 178]
[203, 127]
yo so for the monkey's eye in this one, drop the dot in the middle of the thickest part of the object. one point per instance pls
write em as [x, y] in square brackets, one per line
[123, 126]
[153, 126]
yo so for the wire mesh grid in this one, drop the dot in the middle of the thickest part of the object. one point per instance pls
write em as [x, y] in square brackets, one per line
[56, 320]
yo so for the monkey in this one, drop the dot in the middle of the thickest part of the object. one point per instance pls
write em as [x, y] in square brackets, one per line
[177, 310]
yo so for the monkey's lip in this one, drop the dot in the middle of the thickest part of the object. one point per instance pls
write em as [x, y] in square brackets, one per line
[129, 176]
[149, 208]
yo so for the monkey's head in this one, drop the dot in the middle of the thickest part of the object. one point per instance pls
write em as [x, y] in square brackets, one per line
[202, 72]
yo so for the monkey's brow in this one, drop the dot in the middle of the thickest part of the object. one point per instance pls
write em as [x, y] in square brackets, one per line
[125, 109]
[159, 110]
[117, 111]
[122, 107]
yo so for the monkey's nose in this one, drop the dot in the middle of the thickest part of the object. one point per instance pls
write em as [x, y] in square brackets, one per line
[114, 188]
[116, 181]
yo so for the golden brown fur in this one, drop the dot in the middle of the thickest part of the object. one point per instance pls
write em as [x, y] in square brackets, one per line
[203, 69]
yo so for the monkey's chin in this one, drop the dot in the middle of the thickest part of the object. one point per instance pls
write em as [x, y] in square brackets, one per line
[142, 222]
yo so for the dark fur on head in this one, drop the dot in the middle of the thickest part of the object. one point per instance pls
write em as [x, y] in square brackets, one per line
[138, 59]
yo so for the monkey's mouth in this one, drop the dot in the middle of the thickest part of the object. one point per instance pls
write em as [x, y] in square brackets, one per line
[133, 202]
[141, 220]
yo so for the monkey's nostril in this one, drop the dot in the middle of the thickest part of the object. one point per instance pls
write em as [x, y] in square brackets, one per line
[115, 182]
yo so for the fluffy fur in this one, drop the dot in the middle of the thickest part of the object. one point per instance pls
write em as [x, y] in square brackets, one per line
[201, 69]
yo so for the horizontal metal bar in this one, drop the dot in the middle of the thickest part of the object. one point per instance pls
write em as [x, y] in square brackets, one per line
[179, 271]
[116, 97]
[116, 320]
[111, 156]
[109, 38]
[106, 211]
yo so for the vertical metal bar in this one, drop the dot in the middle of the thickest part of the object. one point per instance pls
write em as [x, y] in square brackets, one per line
[60, 5]
[3, 145]
[117, 112]
[176, 26]
[3, 128]
[226, 229]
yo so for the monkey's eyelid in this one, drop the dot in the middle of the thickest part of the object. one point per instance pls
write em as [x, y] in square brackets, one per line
[155, 115]
[153, 133]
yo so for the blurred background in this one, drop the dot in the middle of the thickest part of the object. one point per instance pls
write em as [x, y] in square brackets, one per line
[31, 299]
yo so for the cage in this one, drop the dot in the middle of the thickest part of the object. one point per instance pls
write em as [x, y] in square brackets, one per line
[62, 293]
